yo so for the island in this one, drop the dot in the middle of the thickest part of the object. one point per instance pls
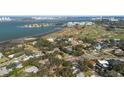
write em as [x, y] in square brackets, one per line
[35, 25]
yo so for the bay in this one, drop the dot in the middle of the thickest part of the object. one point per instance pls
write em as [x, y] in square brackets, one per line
[11, 30]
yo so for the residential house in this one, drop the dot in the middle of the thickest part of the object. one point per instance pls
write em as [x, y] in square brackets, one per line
[1, 55]
[31, 69]
[118, 52]
[27, 58]
[11, 56]
[113, 62]
[89, 23]
[81, 74]
[101, 67]
[50, 39]
[4, 71]
[102, 63]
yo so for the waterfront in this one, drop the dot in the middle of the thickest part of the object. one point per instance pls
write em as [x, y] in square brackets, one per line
[62, 47]
[12, 29]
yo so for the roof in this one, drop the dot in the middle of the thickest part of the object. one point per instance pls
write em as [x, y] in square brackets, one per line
[1, 55]
[114, 62]
[11, 56]
[31, 69]
[3, 71]
[103, 62]
[92, 62]
[81, 74]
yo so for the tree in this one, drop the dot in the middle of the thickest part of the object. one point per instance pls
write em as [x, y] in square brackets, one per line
[44, 44]
[67, 64]
[83, 66]
[66, 72]
[55, 61]
[88, 73]
[112, 73]
[119, 68]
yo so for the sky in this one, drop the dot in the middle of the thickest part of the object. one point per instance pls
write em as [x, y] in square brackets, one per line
[61, 7]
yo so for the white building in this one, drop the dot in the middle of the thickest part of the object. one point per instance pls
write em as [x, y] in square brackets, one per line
[113, 19]
[19, 65]
[11, 56]
[71, 24]
[3, 71]
[89, 23]
[104, 63]
[34, 42]
[81, 74]
[82, 23]
[1, 55]
[32, 69]
[3, 19]
[50, 39]
[27, 58]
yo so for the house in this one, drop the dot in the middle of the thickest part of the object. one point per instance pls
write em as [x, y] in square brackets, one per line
[118, 52]
[107, 64]
[14, 65]
[71, 24]
[113, 62]
[69, 49]
[59, 56]
[27, 58]
[1, 55]
[3, 19]
[19, 65]
[71, 58]
[56, 49]
[4, 71]
[92, 62]
[45, 61]
[11, 56]
[81, 74]
[113, 19]
[101, 66]
[50, 39]
[104, 63]
[115, 42]
[98, 47]
[34, 42]
[75, 69]
[38, 54]
[82, 23]
[70, 39]
[89, 23]
[31, 69]
[19, 45]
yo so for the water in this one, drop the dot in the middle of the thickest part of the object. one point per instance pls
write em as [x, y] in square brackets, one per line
[11, 30]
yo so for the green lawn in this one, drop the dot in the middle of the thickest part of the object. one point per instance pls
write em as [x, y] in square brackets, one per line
[118, 36]
[4, 59]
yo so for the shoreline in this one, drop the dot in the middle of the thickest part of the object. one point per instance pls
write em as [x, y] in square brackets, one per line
[32, 36]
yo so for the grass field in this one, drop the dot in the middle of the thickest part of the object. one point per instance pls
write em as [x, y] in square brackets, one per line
[4, 59]
[91, 32]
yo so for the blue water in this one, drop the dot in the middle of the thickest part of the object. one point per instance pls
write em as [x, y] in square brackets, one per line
[10, 30]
